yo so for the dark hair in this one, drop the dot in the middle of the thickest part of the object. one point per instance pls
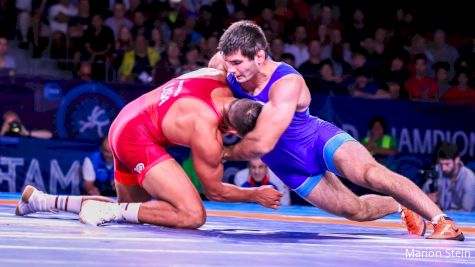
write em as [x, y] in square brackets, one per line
[288, 56]
[243, 114]
[362, 71]
[447, 150]
[243, 35]
[441, 65]
[381, 120]
[420, 56]
[325, 62]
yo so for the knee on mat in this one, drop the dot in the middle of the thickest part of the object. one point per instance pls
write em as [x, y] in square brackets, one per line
[193, 218]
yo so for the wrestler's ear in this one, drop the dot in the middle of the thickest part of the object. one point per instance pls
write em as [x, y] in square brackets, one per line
[260, 57]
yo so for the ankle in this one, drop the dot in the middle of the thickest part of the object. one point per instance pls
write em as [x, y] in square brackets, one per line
[130, 212]
[436, 218]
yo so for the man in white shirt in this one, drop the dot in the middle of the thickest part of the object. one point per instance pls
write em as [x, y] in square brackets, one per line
[60, 14]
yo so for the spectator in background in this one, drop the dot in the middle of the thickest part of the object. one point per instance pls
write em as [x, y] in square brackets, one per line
[289, 58]
[336, 41]
[12, 126]
[328, 82]
[258, 174]
[441, 51]
[461, 93]
[357, 30]
[156, 41]
[140, 26]
[298, 47]
[167, 66]
[59, 15]
[118, 20]
[192, 57]
[122, 45]
[138, 64]
[419, 46]
[379, 143]
[75, 39]
[364, 87]
[85, 71]
[420, 86]
[23, 8]
[359, 59]
[192, 36]
[98, 171]
[340, 66]
[396, 75]
[40, 31]
[210, 47]
[98, 43]
[441, 70]
[7, 63]
[277, 49]
[309, 69]
[454, 187]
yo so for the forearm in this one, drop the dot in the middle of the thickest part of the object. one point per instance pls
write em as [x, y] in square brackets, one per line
[44, 134]
[231, 193]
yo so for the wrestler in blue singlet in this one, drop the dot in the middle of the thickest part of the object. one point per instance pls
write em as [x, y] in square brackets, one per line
[305, 150]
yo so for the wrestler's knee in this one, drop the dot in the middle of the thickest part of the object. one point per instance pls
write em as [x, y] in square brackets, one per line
[193, 217]
[357, 213]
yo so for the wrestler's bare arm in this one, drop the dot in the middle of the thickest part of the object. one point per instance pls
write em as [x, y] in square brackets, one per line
[272, 122]
[207, 149]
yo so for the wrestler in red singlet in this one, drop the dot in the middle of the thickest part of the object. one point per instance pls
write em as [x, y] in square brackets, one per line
[136, 137]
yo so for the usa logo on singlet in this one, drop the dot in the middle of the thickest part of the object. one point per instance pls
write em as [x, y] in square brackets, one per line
[167, 90]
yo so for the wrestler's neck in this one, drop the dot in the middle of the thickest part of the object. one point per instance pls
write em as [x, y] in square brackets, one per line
[261, 78]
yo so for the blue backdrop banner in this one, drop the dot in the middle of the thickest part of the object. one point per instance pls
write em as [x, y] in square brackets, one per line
[52, 166]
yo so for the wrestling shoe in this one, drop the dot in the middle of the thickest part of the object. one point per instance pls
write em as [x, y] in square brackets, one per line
[32, 200]
[98, 212]
[445, 228]
[414, 222]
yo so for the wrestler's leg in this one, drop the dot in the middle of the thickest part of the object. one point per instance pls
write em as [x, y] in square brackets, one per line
[176, 201]
[33, 200]
[353, 161]
[331, 195]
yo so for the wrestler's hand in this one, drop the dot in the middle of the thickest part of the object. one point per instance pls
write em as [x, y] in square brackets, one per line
[267, 196]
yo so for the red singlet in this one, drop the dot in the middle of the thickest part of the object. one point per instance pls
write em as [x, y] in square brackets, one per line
[136, 137]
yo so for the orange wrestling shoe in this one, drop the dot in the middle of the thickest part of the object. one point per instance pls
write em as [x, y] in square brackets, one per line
[446, 229]
[414, 222]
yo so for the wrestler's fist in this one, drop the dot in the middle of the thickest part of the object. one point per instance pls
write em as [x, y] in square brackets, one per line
[267, 196]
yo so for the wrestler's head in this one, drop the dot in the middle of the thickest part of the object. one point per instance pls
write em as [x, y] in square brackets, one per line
[244, 48]
[241, 115]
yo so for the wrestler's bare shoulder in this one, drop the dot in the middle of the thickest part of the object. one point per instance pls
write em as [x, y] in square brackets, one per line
[210, 73]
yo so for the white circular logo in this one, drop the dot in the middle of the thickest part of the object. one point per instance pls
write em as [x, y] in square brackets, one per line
[139, 168]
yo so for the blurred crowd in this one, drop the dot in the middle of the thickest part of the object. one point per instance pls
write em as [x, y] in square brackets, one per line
[337, 48]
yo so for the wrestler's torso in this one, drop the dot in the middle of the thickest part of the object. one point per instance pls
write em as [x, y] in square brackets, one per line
[167, 113]
[294, 155]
